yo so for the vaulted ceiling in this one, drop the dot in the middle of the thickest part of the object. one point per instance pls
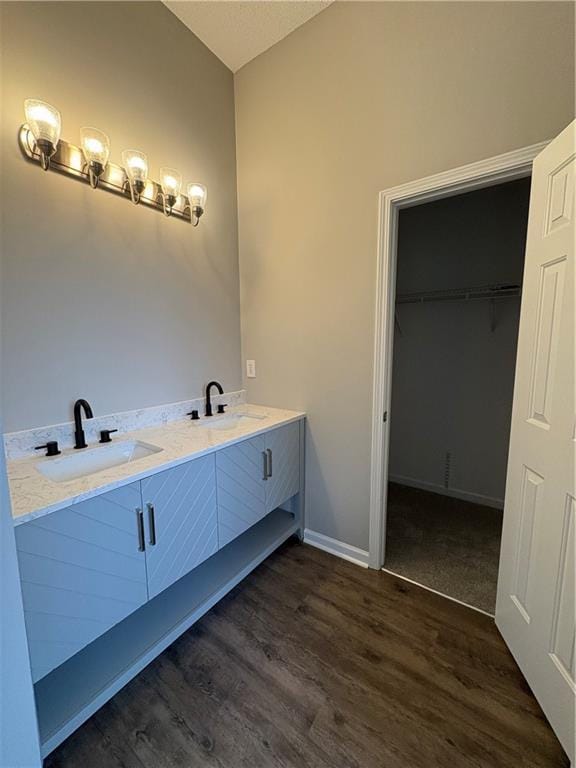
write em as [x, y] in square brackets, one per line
[239, 30]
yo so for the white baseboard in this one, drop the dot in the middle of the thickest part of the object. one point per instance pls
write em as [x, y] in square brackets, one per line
[335, 547]
[454, 493]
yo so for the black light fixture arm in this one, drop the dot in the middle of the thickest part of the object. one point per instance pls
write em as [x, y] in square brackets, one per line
[95, 170]
[135, 188]
[168, 202]
[197, 211]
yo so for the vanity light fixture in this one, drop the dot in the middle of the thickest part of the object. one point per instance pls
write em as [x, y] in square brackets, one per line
[197, 194]
[44, 123]
[170, 182]
[136, 167]
[96, 148]
[89, 163]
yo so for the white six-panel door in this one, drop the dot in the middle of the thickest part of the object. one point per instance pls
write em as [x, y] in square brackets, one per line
[536, 595]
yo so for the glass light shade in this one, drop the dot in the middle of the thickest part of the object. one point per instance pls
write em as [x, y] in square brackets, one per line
[197, 194]
[95, 145]
[170, 181]
[136, 165]
[44, 121]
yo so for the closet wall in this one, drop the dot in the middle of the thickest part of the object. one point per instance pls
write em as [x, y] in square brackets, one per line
[453, 371]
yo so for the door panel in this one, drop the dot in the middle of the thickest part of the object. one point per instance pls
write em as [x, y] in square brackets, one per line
[184, 504]
[535, 605]
[284, 481]
[81, 573]
[565, 598]
[241, 488]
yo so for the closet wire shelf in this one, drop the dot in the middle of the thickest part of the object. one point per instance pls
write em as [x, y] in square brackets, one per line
[479, 292]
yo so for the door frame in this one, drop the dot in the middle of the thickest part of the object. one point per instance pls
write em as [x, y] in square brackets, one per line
[485, 173]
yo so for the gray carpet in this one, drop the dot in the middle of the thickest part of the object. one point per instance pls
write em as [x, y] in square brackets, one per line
[443, 543]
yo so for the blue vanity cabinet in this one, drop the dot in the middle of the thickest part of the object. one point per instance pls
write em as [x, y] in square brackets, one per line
[283, 448]
[81, 572]
[255, 477]
[241, 487]
[180, 521]
[89, 566]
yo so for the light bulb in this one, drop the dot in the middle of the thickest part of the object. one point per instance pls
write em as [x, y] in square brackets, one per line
[96, 148]
[197, 195]
[171, 182]
[45, 124]
[135, 164]
[197, 199]
[136, 167]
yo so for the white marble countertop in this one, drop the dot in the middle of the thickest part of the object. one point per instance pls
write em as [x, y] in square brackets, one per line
[34, 495]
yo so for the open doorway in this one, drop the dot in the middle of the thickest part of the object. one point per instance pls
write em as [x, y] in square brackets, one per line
[457, 306]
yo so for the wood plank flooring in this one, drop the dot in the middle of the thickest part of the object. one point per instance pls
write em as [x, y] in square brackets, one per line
[314, 662]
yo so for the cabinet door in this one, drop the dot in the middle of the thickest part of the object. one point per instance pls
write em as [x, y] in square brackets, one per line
[81, 573]
[283, 445]
[181, 521]
[240, 471]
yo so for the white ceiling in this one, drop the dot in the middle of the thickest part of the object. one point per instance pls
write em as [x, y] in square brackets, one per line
[239, 30]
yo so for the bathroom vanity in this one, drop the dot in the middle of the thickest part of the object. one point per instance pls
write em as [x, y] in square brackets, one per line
[116, 563]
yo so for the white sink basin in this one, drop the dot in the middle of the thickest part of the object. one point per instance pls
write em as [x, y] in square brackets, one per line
[88, 461]
[228, 421]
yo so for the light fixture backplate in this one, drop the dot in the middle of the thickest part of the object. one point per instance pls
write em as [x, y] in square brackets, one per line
[69, 160]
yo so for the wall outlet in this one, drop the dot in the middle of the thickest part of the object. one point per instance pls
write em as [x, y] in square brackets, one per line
[251, 369]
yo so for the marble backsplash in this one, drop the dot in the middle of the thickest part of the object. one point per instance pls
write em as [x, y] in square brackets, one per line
[19, 445]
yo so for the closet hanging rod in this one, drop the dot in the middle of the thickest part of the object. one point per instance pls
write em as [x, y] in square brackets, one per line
[481, 292]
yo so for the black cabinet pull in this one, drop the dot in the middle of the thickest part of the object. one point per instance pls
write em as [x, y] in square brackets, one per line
[269, 452]
[140, 526]
[151, 524]
[265, 465]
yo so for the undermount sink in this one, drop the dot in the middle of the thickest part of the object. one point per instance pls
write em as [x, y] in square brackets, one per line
[228, 421]
[87, 462]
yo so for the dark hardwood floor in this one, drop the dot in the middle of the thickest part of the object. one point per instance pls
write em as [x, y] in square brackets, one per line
[312, 661]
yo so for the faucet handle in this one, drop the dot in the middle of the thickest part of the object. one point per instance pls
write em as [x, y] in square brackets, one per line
[105, 435]
[193, 414]
[51, 448]
[221, 407]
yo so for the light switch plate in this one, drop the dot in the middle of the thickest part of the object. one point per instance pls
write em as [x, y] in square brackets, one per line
[251, 369]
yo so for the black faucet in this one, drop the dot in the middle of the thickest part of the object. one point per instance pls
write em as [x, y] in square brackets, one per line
[208, 411]
[79, 432]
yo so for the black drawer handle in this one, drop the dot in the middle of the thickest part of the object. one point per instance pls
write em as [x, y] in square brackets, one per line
[140, 526]
[151, 524]
[269, 452]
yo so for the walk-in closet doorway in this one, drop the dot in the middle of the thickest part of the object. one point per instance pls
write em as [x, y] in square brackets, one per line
[422, 427]
[457, 307]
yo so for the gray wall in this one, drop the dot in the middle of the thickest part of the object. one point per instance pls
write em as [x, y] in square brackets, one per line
[453, 378]
[361, 98]
[100, 298]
